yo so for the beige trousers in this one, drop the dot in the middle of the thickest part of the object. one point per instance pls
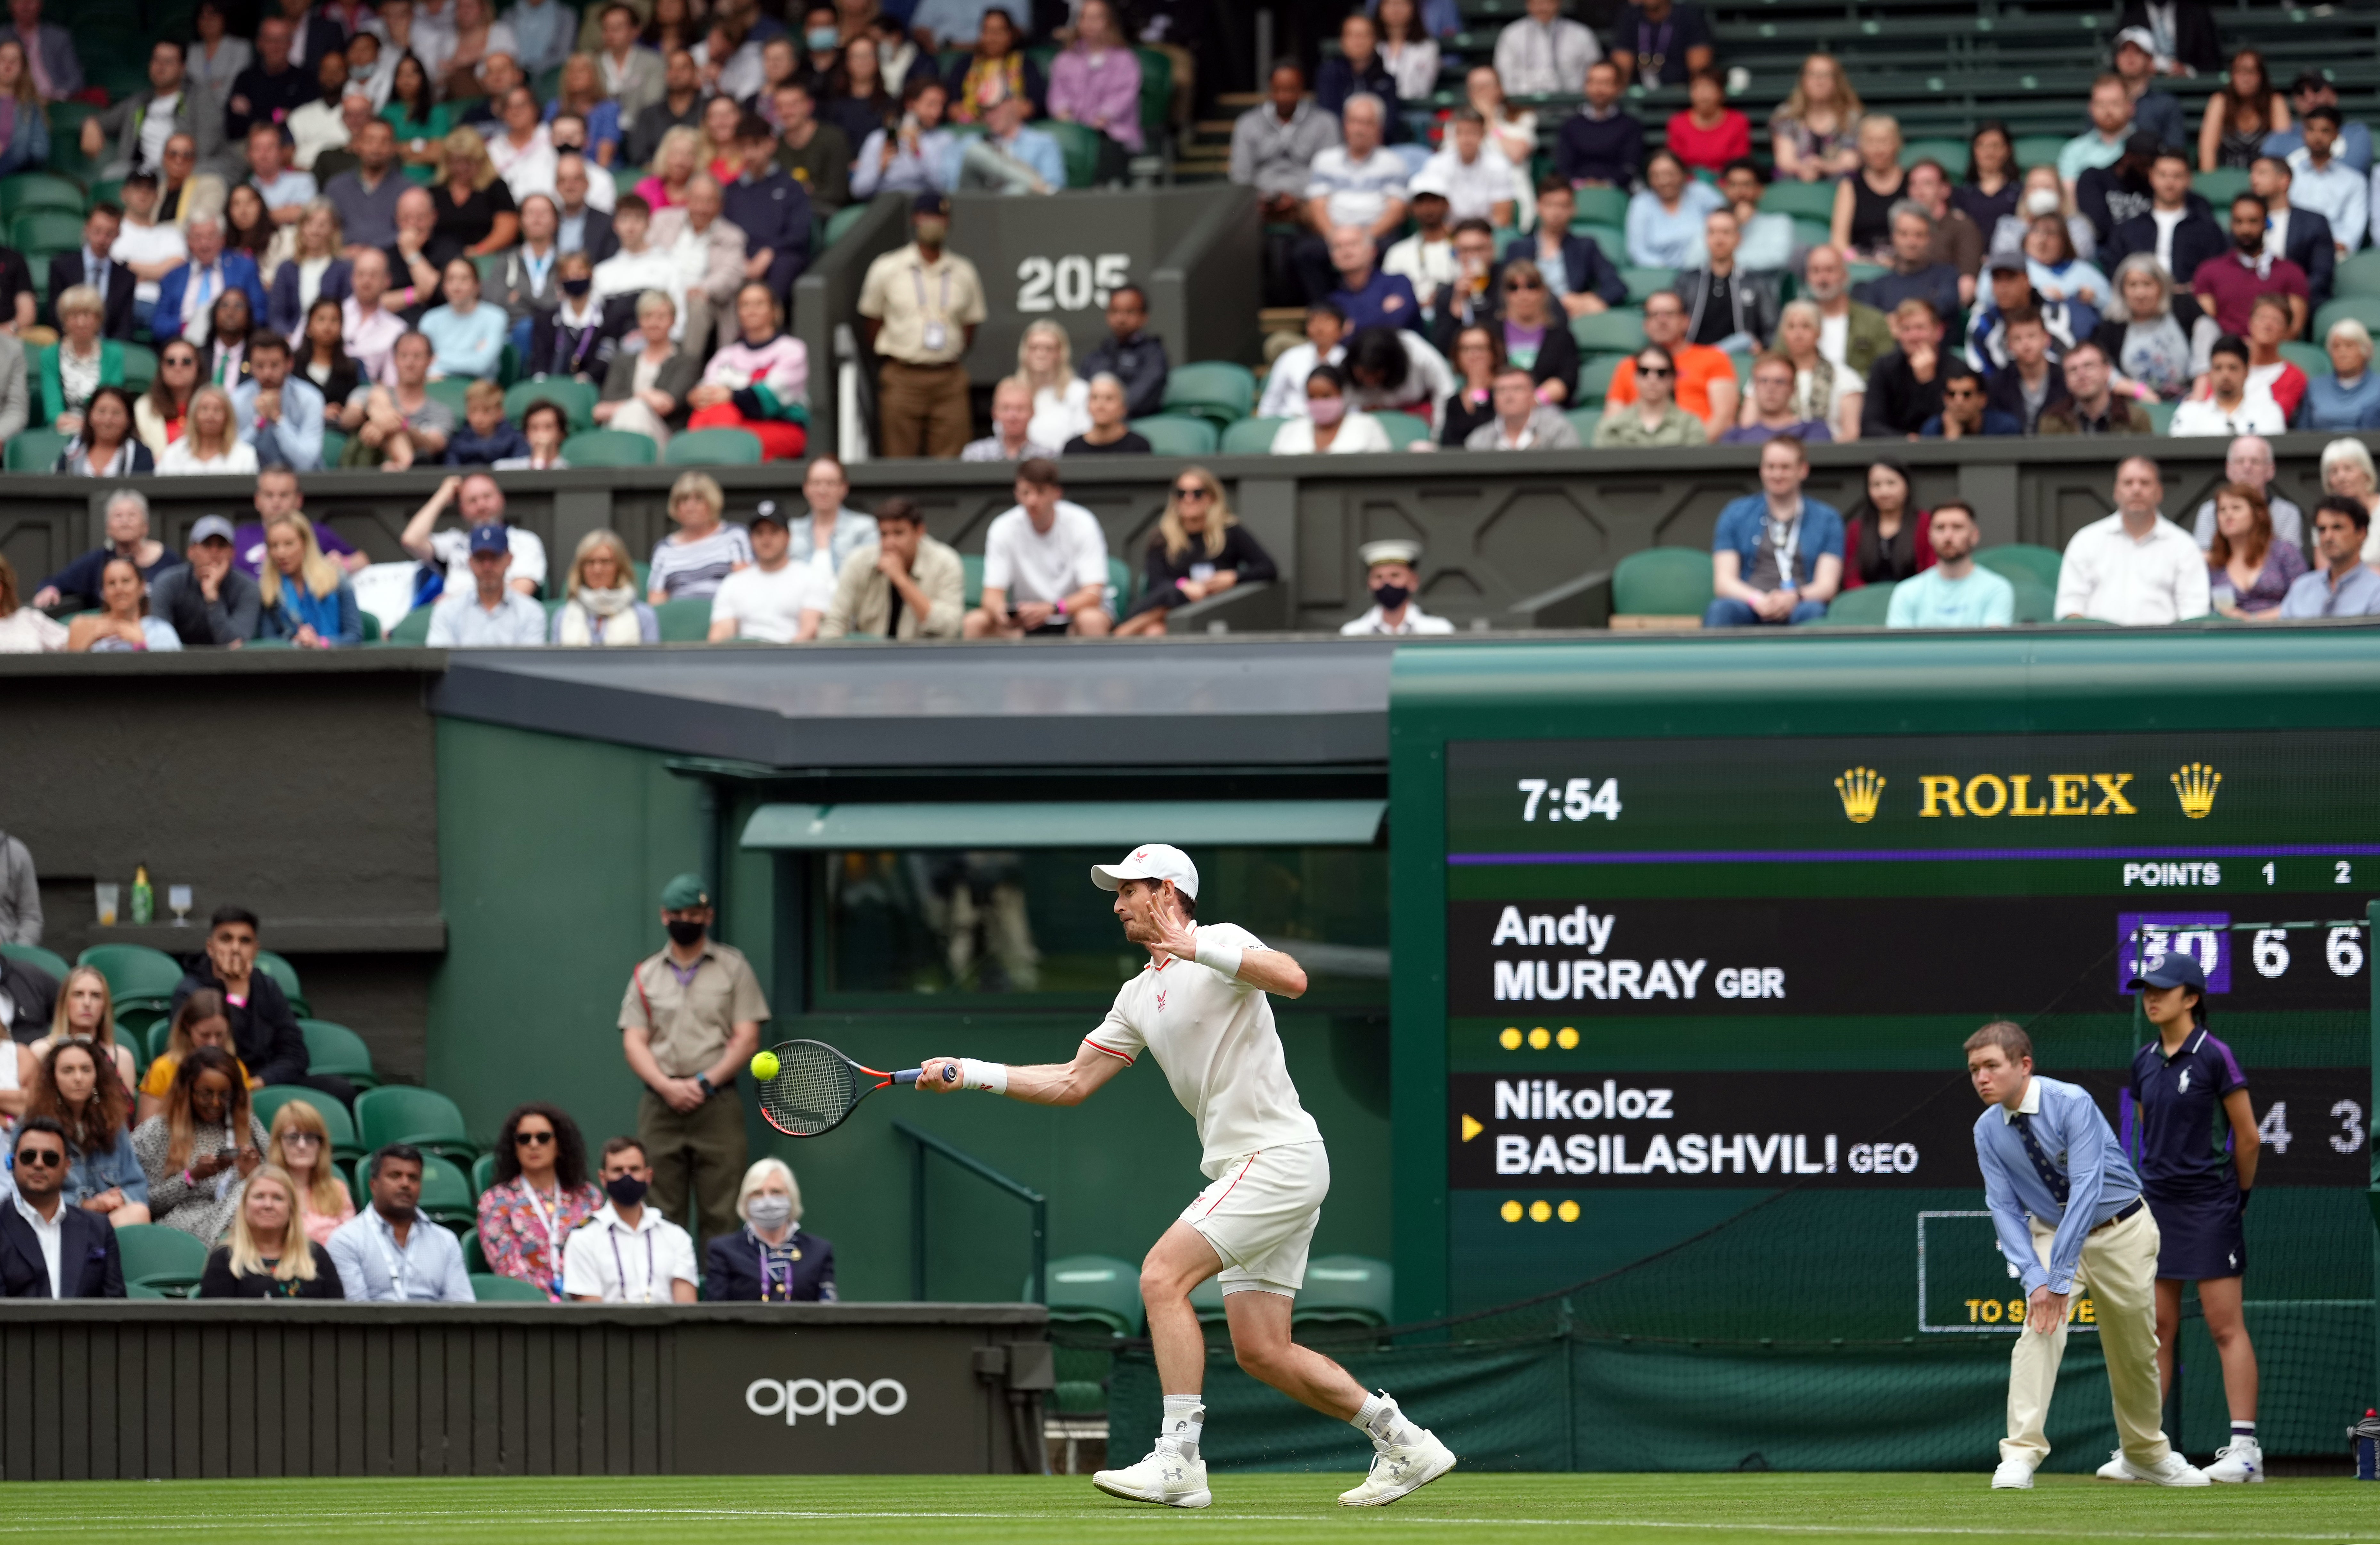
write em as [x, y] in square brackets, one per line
[2120, 1273]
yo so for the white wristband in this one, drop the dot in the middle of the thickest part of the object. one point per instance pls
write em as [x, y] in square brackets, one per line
[990, 1077]
[1216, 956]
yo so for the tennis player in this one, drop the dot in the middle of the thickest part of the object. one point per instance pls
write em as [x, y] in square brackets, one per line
[2195, 1141]
[1202, 1007]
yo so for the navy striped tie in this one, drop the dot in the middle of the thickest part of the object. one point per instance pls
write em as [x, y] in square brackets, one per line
[2051, 1176]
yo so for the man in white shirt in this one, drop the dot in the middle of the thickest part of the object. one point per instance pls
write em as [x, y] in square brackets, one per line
[768, 597]
[1359, 183]
[1045, 565]
[1391, 575]
[542, 30]
[2134, 568]
[1425, 259]
[1201, 1007]
[632, 74]
[2320, 181]
[640, 264]
[1284, 393]
[1471, 171]
[489, 614]
[2249, 463]
[628, 1253]
[389, 1252]
[285, 191]
[481, 503]
[2229, 407]
[1522, 423]
[1545, 53]
[323, 124]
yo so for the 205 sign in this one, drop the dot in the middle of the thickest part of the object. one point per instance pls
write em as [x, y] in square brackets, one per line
[1074, 283]
[1570, 799]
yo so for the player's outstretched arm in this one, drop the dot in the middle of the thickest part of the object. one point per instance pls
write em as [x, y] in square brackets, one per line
[1036, 1084]
[1272, 971]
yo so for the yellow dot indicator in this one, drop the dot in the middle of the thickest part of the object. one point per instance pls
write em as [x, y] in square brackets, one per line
[1567, 1212]
[1510, 1038]
[1567, 1037]
[1540, 1210]
[1539, 1039]
[1511, 1211]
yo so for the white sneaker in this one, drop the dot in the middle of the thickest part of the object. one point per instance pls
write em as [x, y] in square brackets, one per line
[2240, 1462]
[1400, 1469]
[2013, 1475]
[2172, 1470]
[1167, 1476]
[2115, 1468]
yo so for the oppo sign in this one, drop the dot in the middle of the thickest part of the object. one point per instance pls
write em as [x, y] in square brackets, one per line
[832, 1398]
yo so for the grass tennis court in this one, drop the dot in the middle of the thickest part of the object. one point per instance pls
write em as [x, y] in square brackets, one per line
[1255, 1509]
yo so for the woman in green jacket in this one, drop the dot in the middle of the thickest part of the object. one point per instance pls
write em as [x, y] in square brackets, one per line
[81, 362]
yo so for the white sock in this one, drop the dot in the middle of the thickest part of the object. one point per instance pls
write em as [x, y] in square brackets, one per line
[1379, 1418]
[1185, 1419]
[2242, 1431]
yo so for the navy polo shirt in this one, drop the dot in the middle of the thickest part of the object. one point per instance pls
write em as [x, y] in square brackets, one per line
[2176, 1128]
[1386, 300]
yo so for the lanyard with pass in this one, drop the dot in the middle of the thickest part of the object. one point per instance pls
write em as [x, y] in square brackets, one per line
[620, 1270]
[937, 334]
[549, 1222]
[1782, 536]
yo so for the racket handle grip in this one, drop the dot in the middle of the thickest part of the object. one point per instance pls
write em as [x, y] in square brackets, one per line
[907, 1075]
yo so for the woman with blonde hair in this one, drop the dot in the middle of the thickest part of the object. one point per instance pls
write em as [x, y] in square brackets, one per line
[676, 161]
[2347, 471]
[301, 1148]
[1061, 400]
[82, 361]
[645, 392]
[270, 1254]
[24, 122]
[474, 207]
[211, 443]
[1823, 391]
[580, 91]
[199, 1149]
[24, 630]
[310, 268]
[86, 1012]
[307, 598]
[1199, 549]
[601, 607]
[203, 1020]
[697, 558]
[1862, 219]
[714, 145]
[769, 1259]
[1815, 131]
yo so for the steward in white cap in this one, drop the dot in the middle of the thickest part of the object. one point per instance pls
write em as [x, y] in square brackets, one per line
[1202, 1007]
[1389, 574]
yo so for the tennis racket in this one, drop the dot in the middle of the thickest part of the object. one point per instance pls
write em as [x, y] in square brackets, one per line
[817, 1086]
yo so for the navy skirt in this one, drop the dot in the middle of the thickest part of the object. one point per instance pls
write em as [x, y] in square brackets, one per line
[2200, 1236]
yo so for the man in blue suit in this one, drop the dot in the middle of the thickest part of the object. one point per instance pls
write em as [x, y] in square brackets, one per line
[186, 297]
[2303, 236]
[49, 1250]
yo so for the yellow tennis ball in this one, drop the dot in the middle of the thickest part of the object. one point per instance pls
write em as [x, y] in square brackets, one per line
[764, 1065]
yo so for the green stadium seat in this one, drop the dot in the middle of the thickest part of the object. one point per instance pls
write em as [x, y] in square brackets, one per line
[2160, 415]
[2313, 359]
[284, 975]
[1595, 376]
[839, 224]
[2034, 601]
[450, 391]
[489, 1288]
[445, 1194]
[36, 450]
[475, 1257]
[1079, 147]
[135, 973]
[1156, 93]
[166, 1260]
[1347, 1290]
[269, 1100]
[1583, 420]
[1092, 1290]
[1803, 200]
[107, 192]
[1600, 206]
[1176, 435]
[1217, 390]
[1953, 153]
[336, 1049]
[713, 447]
[38, 958]
[152, 1037]
[1864, 607]
[2041, 150]
[1662, 586]
[1251, 436]
[2022, 558]
[1405, 429]
[1613, 239]
[1812, 232]
[483, 1174]
[575, 398]
[609, 447]
[1645, 283]
[2220, 186]
[1618, 331]
[684, 622]
[1123, 581]
[140, 368]
[2357, 273]
[2364, 309]
[971, 575]
[412, 630]
[368, 626]
[334, 445]
[40, 190]
[508, 367]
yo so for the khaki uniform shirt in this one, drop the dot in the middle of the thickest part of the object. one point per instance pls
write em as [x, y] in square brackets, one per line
[690, 1025]
[905, 293]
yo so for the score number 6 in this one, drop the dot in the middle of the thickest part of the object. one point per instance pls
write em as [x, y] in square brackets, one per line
[1575, 800]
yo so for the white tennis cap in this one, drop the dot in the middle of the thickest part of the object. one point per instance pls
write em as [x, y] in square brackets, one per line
[1149, 861]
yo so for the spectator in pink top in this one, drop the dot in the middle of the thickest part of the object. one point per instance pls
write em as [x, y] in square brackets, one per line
[1096, 81]
[541, 1193]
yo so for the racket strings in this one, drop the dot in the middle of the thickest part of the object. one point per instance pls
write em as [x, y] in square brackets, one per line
[815, 1089]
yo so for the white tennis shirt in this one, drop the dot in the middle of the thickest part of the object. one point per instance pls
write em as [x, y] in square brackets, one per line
[1215, 1040]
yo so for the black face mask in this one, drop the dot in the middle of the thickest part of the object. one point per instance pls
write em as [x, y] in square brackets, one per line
[576, 288]
[685, 934]
[624, 1189]
[1390, 597]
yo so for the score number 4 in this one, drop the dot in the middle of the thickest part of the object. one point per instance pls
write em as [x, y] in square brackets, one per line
[1575, 800]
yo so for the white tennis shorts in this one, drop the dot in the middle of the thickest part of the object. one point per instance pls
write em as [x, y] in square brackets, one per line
[1259, 1214]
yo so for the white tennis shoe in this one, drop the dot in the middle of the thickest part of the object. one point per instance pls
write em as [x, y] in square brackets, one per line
[2013, 1475]
[2172, 1470]
[1168, 1477]
[2115, 1468]
[2238, 1463]
[1400, 1469]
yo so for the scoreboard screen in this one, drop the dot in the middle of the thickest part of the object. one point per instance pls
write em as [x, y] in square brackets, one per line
[1726, 966]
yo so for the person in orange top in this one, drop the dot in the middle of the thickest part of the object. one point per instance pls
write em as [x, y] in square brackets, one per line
[1706, 384]
[201, 1021]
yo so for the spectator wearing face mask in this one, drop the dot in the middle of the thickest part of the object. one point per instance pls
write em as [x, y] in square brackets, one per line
[1392, 575]
[769, 1259]
[629, 1252]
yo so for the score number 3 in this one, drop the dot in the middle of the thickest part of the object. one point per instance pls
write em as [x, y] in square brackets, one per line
[1575, 800]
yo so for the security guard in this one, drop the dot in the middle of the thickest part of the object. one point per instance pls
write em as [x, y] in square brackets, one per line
[1389, 573]
[690, 1020]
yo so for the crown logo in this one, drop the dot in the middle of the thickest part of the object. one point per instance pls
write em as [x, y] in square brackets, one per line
[1862, 789]
[2196, 785]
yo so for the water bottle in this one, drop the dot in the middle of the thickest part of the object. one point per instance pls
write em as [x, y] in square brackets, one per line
[2366, 1435]
[144, 895]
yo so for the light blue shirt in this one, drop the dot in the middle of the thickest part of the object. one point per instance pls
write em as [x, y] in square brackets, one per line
[1039, 152]
[544, 33]
[428, 1268]
[2100, 1181]
[295, 438]
[957, 21]
[1659, 238]
[465, 345]
[2086, 150]
[460, 622]
[2312, 595]
[2354, 144]
[1929, 598]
